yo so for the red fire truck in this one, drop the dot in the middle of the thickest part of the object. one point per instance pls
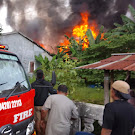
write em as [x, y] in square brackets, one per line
[16, 97]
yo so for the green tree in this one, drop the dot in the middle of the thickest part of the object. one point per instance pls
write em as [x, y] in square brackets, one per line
[118, 40]
[128, 26]
[64, 69]
[76, 47]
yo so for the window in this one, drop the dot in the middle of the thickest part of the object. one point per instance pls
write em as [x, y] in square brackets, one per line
[11, 73]
[31, 67]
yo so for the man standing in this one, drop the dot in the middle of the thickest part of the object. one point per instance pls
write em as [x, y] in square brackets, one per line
[42, 89]
[119, 116]
[61, 110]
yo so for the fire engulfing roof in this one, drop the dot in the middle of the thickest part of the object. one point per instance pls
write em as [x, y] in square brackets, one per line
[121, 61]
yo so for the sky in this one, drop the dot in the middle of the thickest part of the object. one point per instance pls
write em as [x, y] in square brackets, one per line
[3, 14]
[47, 21]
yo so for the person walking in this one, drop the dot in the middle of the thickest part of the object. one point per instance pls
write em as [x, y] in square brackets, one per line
[119, 115]
[61, 110]
[42, 89]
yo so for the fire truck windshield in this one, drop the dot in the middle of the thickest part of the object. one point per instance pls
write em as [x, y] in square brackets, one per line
[12, 72]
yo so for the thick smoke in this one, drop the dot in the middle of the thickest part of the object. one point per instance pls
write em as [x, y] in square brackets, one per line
[106, 12]
[54, 18]
[1, 3]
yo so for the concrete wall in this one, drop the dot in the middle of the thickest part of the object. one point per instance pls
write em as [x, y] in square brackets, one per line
[88, 114]
[23, 48]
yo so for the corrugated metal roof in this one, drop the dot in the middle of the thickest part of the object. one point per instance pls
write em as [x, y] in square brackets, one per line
[122, 61]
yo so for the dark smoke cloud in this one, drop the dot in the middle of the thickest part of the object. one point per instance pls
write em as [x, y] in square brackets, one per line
[121, 7]
[106, 12]
[49, 26]
[1, 3]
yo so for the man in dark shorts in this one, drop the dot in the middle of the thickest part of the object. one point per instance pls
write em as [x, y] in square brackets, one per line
[42, 89]
[119, 116]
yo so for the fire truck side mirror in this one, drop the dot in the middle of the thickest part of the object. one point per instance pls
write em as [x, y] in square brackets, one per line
[53, 81]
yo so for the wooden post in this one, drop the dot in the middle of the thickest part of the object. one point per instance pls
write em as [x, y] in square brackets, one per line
[106, 86]
[128, 77]
[111, 82]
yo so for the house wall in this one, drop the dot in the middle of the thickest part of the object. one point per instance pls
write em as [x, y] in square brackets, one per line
[23, 48]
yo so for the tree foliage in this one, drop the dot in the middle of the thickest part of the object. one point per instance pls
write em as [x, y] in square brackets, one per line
[118, 40]
[64, 69]
[128, 26]
[75, 48]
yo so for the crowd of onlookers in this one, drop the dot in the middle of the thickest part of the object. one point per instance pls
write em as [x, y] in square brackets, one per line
[53, 113]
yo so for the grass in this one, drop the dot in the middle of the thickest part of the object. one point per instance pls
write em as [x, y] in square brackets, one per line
[88, 95]
[84, 94]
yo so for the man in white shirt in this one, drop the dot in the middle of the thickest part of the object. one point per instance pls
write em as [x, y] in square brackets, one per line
[61, 110]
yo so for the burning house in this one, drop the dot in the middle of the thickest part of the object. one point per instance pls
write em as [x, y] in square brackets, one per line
[25, 48]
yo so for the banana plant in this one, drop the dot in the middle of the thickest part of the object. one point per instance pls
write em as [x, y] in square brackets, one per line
[128, 26]
[91, 38]
[98, 38]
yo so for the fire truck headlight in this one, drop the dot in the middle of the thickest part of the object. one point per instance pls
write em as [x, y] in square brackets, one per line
[7, 130]
[30, 128]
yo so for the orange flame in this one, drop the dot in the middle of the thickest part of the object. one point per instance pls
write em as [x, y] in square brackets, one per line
[79, 31]
[64, 45]
[42, 45]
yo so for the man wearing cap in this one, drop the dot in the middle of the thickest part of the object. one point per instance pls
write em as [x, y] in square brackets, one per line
[42, 89]
[119, 116]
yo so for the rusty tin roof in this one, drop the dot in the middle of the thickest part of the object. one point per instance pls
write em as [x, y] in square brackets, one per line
[121, 61]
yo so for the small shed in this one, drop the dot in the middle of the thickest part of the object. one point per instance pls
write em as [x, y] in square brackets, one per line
[119, 61]
[25, 48]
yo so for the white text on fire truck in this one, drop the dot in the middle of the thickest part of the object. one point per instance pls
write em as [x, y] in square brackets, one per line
[23, 115]
[10, 104]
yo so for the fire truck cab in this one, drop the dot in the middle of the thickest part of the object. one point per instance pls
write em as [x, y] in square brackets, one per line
[16, 97]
